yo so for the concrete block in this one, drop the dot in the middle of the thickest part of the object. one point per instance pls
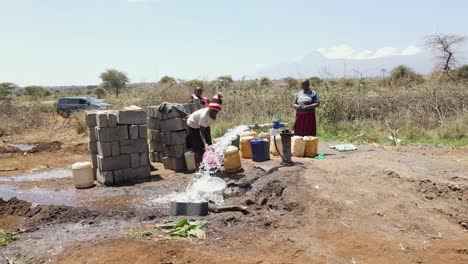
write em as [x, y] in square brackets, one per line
[156, 135]
[133, 146]
[105, 177]
[165, 162]
[92, 147]
[142, 131]
[188, 108]
[150, 112]
[135, 160]
[196, 107]
[109, 134]
[156, 146]
[175, 124]
[104, 149]
[133, 131]
[90, 118]
[115, 148]
[131, 117]
[112, 119]
[114, 163]
[144, 159]
[101, 119]
[153, 123]
[152, 157]
[175, 151]
[175, 164]
[172, 114]
[137, 173]
[175, 138]
[94, 160]
[119, 177]
[92, 134]
[156, 156]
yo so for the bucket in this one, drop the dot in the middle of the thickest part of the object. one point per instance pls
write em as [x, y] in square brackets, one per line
[210, 158]
[190, 161]
[232, 160]
[245, 148]
[297, 146]
[273, 150]
[83, 174]
[311, 146]
[260, 151]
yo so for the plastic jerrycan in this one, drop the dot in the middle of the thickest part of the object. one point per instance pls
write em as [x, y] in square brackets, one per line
[311, 148]
[82, 174]
[298, 146]
[273, 150]
[245, 148]
[232, 159]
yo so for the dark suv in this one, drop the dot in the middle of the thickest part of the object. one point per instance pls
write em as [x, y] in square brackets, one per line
[67, 105]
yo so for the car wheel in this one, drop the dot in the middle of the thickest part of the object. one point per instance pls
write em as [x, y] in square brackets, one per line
[65, 114]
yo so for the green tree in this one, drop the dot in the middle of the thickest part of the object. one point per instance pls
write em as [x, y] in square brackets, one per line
[404, 73]
[114, 80]
[167, 80]
[195, 83]
[225, 80]
[7, 88]
[47, 93]
[4, 92]
[99, 92]
[265, 81]
[462, 73]
[35, 91]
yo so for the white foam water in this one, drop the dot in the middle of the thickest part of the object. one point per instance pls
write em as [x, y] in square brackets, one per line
[205, 186]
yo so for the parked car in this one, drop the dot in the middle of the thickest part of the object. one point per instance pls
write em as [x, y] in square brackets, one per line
[67, 105]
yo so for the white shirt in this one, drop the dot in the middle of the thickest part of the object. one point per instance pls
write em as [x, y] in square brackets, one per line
[200, 118]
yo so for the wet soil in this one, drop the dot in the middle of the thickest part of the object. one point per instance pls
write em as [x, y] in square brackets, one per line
[375, 205]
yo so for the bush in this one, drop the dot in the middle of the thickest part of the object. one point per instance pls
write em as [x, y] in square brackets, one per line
[462, 73]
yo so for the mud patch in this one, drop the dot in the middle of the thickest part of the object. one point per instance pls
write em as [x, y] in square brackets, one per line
[50, 214]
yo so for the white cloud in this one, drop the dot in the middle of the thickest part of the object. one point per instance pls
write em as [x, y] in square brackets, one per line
[411, 50]
[345, 51]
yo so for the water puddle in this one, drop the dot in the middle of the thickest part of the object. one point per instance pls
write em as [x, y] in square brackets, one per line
[39, 176]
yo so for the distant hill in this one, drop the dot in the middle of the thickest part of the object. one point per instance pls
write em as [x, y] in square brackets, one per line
[315, 64]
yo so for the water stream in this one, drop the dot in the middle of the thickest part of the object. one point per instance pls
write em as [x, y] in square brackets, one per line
[205, 186]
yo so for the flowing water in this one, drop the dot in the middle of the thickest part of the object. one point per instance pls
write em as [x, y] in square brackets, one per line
[205, 186]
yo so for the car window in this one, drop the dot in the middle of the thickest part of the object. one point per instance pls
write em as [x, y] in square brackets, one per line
[82, 101]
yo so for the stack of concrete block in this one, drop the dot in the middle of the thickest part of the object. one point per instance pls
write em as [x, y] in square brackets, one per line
[118, 145]
[168, 132]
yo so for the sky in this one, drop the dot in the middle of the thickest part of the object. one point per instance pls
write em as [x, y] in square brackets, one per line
[70, 42]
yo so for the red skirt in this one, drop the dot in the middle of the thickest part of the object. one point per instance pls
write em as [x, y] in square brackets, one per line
[305, 125]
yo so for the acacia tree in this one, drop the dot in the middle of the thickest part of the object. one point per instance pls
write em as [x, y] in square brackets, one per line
[114, 80]
[445, 47]
[167, 80]
[35, 91]
[99, 92]
[225, 81]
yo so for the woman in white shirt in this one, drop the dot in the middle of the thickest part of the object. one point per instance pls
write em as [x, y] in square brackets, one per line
[198, 131]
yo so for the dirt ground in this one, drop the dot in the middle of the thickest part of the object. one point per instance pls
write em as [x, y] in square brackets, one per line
[373, 205]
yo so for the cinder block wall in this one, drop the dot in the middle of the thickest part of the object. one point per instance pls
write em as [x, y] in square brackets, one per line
[168, 132]
[118, 145]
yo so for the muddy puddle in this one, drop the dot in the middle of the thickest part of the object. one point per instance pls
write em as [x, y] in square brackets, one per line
[55, 187]
[39, 176]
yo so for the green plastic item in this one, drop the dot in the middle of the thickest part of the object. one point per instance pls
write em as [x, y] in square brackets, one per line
[320, 156]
